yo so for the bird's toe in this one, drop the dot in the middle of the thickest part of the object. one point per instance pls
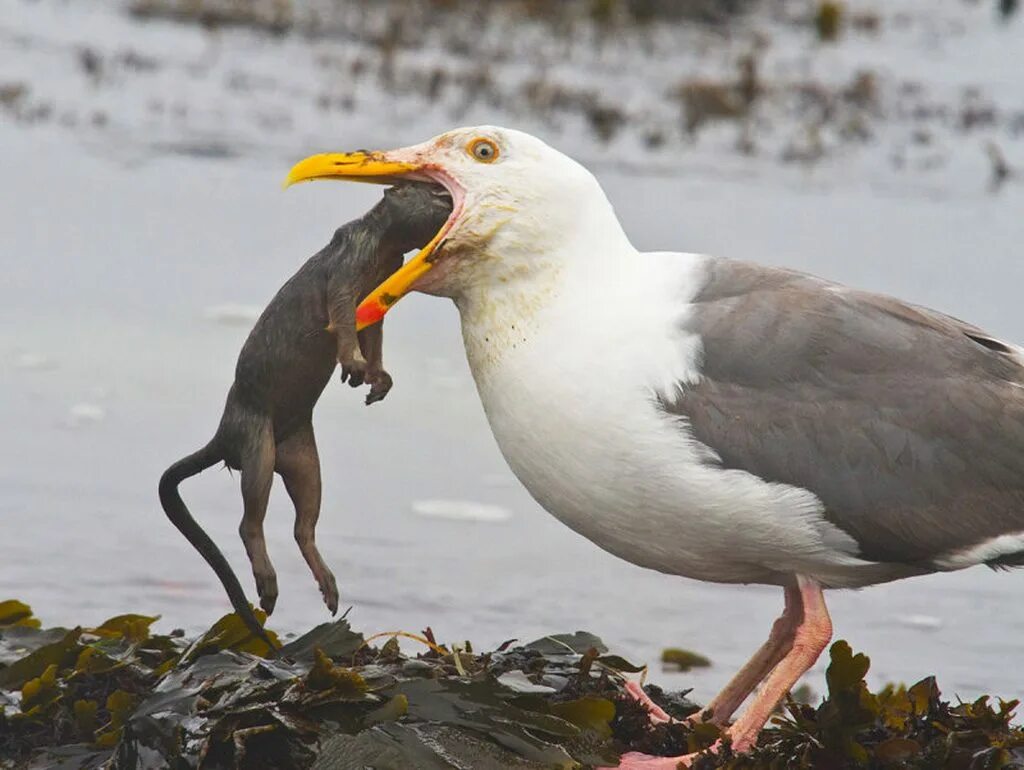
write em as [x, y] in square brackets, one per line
[634, 760]
[657, 713]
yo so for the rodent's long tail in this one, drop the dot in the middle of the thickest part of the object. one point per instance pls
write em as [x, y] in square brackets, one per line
[180, 517]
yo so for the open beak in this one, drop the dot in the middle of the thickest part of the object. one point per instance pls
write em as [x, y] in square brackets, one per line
[379, 168]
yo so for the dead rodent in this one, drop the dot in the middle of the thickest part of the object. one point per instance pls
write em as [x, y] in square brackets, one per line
[306, 331]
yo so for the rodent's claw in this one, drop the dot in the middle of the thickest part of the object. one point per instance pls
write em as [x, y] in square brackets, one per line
[354, 372]
[266, 587]
[329, 590]
[380, 386]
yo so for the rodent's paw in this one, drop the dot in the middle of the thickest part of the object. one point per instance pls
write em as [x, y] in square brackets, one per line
[329, 590]
[266, 587]
[380, 385]
[354, 372]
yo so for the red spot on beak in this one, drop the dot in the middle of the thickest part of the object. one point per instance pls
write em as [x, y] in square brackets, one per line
[369, 312]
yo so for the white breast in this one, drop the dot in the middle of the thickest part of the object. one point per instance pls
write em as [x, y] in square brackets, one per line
[571, 396]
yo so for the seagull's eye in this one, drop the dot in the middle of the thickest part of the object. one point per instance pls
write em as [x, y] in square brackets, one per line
[484, 150]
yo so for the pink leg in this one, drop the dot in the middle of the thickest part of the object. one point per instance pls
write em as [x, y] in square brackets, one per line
[724, 705]
[798, 637]
[812, 637]
[780, 642]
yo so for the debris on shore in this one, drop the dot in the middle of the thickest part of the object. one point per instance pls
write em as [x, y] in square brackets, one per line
[120, 696]
[650, 85]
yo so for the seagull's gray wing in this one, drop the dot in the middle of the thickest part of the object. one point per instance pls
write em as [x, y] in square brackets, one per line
[906, 423]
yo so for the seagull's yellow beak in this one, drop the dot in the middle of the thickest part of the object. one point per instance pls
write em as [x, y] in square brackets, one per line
[378, 168]
[373, 167]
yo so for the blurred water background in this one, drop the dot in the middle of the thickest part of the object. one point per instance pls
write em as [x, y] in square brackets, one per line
[142, 227]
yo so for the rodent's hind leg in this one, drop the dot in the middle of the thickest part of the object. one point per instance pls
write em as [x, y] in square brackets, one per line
[256, 479]
[298, 463]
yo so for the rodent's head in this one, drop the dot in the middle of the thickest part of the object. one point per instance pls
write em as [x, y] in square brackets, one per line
[415, 212]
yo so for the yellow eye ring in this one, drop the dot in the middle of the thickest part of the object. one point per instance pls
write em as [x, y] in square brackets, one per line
[483, 150]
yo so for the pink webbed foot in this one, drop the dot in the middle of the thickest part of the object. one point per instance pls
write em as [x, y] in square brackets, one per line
[634, 760]
[658, 714]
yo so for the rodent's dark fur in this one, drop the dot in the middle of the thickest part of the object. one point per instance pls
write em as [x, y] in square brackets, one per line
[286, 362]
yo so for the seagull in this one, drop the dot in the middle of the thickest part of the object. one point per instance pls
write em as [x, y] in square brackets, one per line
[705, 417]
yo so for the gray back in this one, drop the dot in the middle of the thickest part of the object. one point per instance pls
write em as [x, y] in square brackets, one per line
[907, 424]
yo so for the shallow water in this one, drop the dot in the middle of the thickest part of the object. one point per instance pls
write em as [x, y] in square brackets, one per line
[125, 295]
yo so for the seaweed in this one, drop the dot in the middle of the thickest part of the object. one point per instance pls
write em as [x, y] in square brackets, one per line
[119, 696]
[682, 660]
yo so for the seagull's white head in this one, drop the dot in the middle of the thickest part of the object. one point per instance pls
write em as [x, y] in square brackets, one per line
[517, 204]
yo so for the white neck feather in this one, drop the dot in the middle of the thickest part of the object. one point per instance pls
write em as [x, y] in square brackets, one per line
[532, 272]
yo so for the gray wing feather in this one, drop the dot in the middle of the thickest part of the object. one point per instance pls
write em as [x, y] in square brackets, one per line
[906, 423]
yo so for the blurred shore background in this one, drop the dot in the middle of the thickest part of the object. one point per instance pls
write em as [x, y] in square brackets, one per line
[142, 228]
